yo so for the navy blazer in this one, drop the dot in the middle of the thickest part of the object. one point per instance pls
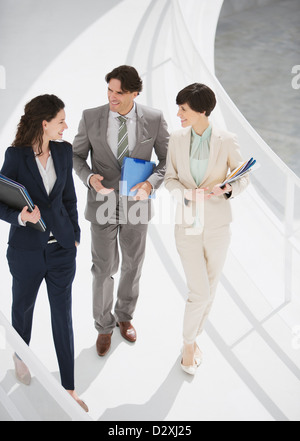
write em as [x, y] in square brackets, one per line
[58, 210]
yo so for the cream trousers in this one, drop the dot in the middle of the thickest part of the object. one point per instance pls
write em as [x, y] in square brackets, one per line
[203, 257]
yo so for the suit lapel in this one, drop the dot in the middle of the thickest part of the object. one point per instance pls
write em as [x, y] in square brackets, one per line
[215, 145]
[58, 165]
[103, 126]
[31, 164]
[186, 149]
[140, 122]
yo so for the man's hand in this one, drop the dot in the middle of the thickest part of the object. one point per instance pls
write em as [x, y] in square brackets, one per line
[144, 190]
[96, 183]
[33, 217]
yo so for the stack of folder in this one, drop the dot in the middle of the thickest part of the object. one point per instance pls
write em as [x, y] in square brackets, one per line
[239, 172]
[134, 171]
[15, 196]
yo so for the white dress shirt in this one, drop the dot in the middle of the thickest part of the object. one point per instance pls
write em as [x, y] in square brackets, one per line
[49, 177]
[48, 174]
[113, 130]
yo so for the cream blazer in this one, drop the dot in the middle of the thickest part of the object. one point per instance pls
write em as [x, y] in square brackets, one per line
[224, 156]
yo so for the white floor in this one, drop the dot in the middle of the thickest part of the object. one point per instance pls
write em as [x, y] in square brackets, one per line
[251, 367]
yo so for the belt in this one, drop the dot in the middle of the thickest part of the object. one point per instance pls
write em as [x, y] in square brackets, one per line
[51, 240]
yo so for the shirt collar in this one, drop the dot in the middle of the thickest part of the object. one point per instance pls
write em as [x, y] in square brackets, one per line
[205, 135]
[37, 156]
[129, 115]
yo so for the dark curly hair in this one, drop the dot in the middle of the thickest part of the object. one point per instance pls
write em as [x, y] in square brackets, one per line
[30, 128]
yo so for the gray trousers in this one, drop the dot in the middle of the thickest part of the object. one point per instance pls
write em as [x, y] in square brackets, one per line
[106, 240]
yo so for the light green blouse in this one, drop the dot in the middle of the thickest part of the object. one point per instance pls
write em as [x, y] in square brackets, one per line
[199, 156]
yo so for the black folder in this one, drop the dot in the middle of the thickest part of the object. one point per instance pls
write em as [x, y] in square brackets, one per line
[15, 196]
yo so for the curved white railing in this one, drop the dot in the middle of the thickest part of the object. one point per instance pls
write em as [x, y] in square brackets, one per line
[67, 407]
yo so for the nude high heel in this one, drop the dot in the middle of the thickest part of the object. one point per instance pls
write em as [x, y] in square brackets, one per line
[191, 369]
[21, 371]
[199, 357]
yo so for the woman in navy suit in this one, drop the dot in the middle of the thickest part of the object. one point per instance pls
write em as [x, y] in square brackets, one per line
[44, 166]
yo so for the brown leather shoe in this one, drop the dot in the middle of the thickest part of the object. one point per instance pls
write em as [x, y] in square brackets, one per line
[127, 331]
[103, 344]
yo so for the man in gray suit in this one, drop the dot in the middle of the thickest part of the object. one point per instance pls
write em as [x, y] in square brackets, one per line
[108, 134]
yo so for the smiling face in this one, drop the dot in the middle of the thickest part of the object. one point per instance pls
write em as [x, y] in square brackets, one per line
[189, 117]
[54, 129]
[120, 101]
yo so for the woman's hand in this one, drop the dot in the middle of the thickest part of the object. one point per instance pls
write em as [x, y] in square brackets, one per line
[197, 195]
[218, 191]
[33, 217]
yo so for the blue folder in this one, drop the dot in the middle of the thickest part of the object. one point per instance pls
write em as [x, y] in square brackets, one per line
[133, 172]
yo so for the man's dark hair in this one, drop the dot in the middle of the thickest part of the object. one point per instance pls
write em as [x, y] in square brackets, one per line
[130, 80]
[199, 97]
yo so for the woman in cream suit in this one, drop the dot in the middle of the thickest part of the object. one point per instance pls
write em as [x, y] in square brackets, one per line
[199, 158]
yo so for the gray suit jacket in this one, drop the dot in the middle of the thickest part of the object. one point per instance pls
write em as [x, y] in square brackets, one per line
[152, 133]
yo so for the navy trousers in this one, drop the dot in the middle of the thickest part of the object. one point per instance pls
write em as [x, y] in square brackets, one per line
[57, 266]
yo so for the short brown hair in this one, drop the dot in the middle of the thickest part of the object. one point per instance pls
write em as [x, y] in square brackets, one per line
[199, 97]
[130, 79]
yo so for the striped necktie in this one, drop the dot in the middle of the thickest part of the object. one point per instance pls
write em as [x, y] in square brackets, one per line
[123, 149]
